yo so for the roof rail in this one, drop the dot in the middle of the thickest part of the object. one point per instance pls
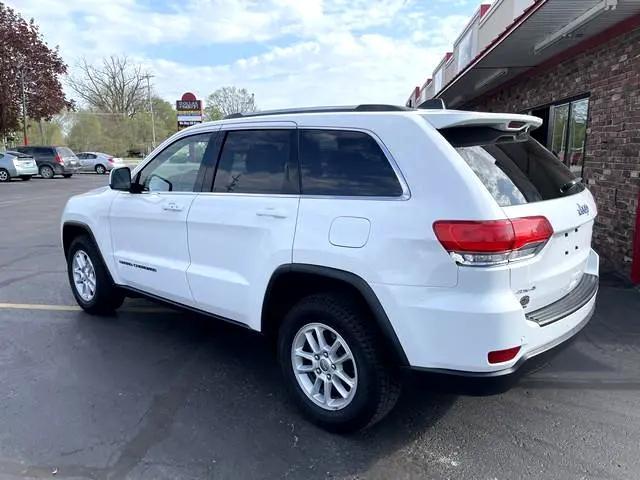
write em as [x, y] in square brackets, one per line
[432, 104]
[365, 107]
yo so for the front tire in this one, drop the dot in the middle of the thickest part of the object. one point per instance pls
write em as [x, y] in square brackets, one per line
[90, 281]
[46, 172]
[334, 364]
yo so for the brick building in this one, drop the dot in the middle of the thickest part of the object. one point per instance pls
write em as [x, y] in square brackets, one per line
[575, 64]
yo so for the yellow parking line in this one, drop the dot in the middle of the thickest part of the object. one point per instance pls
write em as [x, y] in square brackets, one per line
[75, 308]
[36, 306]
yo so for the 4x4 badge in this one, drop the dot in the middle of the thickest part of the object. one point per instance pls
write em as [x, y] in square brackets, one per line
[583, 209]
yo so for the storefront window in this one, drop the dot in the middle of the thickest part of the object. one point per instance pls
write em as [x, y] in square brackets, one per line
[567, 132]
[577, 135]
[559, 117]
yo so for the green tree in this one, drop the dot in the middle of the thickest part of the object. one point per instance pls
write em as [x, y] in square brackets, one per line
[86, 133]
[45, 132]
[165, 118]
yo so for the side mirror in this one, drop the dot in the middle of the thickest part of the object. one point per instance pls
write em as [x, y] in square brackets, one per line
[120, 179]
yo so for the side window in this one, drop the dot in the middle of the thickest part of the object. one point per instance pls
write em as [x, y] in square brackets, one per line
[257, 161]
[44, 152]
[176, 168]
[345, 163]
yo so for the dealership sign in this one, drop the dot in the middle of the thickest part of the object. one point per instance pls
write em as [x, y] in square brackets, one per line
[189, 110]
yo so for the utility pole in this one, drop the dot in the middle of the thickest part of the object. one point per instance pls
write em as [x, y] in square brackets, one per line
[153, 123]
[24, 109]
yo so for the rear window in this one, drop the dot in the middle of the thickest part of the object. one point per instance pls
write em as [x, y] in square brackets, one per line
[516, 169]
[19, 154]
[65, 152]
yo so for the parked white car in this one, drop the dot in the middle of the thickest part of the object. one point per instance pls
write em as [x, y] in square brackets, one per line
[360, 239]
[98, 162]
[16, 165]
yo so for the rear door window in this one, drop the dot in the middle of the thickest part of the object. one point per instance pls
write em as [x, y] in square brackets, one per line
[516, 169]
[43, 152]
[345, 163]
[258, 161]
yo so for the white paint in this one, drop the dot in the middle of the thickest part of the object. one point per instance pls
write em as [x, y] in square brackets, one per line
[219, 251]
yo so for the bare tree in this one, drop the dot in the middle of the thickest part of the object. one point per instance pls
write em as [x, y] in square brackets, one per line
[228, 100]
[116, 86]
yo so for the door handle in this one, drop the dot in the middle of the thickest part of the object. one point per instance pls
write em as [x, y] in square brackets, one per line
[172, 207]
[271, 212]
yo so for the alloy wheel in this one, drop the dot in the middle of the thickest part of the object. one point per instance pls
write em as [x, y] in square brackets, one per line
[84, 276]
[4, 176]
[324, 366]
[46, 172]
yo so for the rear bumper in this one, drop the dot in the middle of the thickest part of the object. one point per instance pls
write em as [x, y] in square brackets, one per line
[555, 344]
[65, 169]
[20, 170]
[452, 330]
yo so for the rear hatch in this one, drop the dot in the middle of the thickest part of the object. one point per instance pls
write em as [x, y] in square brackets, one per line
[527, 180]
[23, 159]
[68, 156]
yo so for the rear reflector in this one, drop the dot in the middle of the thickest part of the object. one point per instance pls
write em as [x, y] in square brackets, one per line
[499, 356]
[493, 242]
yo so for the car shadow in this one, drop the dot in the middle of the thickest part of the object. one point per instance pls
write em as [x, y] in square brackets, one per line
[218, 389]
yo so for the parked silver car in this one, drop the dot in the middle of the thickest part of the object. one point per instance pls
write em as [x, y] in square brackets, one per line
[98, 162]
[16, 164]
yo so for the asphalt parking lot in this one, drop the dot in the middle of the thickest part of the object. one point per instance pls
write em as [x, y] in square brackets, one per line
[154, 393]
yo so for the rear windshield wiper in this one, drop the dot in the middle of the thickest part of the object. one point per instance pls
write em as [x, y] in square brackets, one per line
[569, 185]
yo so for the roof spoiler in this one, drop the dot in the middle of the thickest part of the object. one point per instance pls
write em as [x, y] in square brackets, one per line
[432, 104]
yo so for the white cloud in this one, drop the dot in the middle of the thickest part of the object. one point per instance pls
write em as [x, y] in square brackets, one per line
[338, 51]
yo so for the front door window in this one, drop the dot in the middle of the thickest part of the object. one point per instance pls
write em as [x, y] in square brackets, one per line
[176, 168]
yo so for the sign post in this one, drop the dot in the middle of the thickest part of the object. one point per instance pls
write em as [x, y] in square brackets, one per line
[189, 111]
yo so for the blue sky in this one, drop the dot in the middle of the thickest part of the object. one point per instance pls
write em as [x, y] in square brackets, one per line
[288, 52]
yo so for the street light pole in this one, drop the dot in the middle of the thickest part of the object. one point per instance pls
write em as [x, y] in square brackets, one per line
[153, 123]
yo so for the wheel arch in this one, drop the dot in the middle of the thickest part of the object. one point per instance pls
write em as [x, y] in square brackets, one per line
[291, 282]
[72, 229]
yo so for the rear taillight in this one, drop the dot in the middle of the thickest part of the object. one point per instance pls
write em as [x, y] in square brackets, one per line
[58, 159]
[110, 160]
[493, 242]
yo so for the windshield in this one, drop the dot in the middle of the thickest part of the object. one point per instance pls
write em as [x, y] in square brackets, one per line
[516, 169]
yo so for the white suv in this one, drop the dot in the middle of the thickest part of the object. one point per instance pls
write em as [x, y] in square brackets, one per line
[360, 239]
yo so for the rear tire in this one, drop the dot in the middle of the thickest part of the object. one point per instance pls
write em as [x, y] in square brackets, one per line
[46, 172]
[25, 178]
[100, 170]
[371, 386]
[4, 175]
[89, 278]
